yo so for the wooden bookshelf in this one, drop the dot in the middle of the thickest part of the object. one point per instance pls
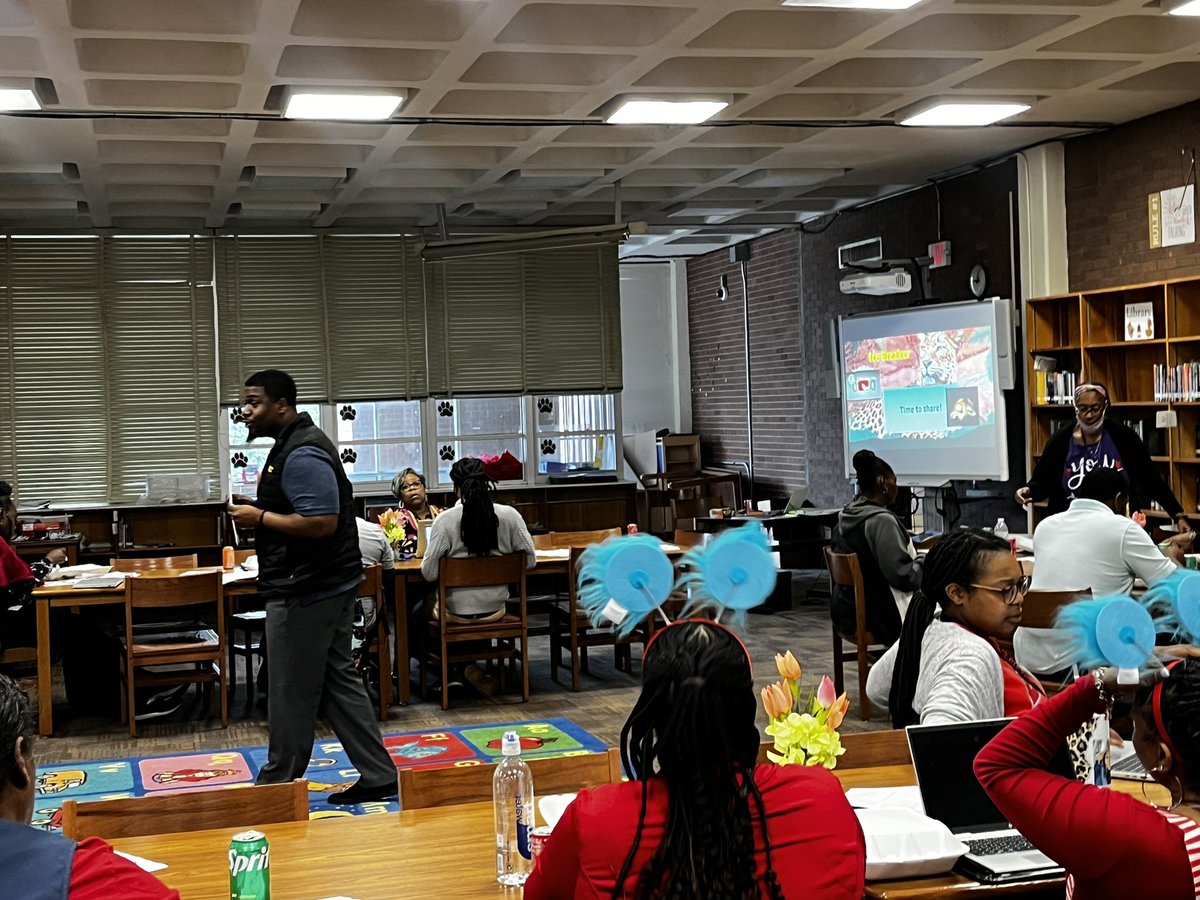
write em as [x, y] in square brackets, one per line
[1084, 333]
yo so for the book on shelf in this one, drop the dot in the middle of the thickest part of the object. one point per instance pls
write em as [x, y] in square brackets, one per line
[1177, 384]
[1053, 388]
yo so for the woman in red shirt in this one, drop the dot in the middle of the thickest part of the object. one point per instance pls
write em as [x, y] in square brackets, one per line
[1113, 846]
[702, 820]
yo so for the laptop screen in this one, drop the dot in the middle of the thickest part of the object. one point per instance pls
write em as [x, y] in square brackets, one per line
[944, 758]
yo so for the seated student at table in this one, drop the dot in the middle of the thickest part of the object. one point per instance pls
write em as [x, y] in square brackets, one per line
[1091, 545]
[947, 665]
[38, 865]
[891, 570]
[18, 625]
[409, 488]
[1114, 846]
[702, 818]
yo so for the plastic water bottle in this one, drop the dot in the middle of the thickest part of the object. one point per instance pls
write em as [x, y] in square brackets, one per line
[1001, 529]
[512, 801]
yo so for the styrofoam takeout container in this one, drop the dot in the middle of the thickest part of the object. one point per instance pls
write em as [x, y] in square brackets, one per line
[902, 843]
[552, 806]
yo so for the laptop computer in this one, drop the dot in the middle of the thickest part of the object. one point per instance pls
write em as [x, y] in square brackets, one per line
[1126, 765]
[944, 757]
[423, 526]
[796, 501]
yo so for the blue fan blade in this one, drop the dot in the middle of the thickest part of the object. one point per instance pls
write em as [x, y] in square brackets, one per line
[1125, 634]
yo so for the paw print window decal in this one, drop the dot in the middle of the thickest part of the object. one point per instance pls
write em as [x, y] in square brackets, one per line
[347, 413]
[446, 452]
[445, 409]
[349, 455]
[235, 415]
[548, 447]
[545, 405]
[239, 461]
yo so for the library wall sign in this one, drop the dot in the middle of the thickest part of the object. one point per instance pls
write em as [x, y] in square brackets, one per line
[1172, 216]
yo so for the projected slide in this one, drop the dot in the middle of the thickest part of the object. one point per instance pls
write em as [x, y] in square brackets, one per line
[919, 389]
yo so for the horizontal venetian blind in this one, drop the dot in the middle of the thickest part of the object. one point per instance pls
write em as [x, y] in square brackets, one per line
[375, 303]
[8, 465]
[535, 320]
[162, 399]
[58, 389]
[271, 310]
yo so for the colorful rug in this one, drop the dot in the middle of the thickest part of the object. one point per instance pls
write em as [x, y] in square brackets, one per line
[328, 770]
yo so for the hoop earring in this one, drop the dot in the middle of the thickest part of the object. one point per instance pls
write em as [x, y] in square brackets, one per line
[1174, 802]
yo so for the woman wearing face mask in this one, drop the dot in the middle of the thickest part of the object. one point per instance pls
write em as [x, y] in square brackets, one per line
[1096, 440]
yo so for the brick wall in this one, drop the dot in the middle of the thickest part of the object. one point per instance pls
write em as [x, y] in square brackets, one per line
[797, 419]
[777, 372]
[1108, 178]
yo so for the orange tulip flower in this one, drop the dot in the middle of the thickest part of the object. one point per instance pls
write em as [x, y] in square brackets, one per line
[837, 712]
[777, 699]
[788, 666]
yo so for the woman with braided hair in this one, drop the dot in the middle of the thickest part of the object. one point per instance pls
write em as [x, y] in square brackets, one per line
[701, 819]
[1113, 845]
[948, 665]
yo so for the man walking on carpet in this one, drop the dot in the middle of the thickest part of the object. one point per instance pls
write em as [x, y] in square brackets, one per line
[309, 566]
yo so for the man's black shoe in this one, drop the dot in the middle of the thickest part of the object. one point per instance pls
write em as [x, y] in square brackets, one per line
[363, 793]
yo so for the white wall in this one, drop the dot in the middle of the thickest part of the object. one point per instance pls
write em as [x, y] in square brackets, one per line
[654, 347]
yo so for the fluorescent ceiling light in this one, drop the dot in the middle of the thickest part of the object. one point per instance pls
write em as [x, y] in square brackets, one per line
[1191, 8]
[959, 115]
[368, 107]
[666, 112]
[855, 4]
[12, 99]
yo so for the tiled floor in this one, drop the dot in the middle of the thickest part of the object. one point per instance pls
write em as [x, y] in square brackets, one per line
[600, 706]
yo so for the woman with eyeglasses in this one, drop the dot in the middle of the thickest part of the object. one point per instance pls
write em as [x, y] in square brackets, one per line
[409, 489]
[1094, 440]
[948, 665]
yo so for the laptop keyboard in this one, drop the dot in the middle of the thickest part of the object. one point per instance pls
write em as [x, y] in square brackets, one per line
[991, 846]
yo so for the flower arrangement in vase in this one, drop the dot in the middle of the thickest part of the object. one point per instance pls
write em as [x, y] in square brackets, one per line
[803, 725]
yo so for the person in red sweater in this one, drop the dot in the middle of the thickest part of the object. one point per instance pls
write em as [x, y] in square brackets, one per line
[1113, 845]
[37, 865]
[701, 819]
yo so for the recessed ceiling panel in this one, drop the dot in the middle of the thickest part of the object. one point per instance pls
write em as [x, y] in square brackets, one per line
[820, 106]
[389, 65]
[970, 32]
[437, 133]
[620, 135]
[162, 95]
[886, 72]
[151, 174]
[329, 132]
[426, 178]
[591, 24]
[786, 29]
[588, 157]
[15, 14]
[517, 67]
[126, 56]
[179, 193]
[307, 154]
[208, 17]
[19, 54]
[748, 135]
[161, 151]
[675, 177]
[387, 20]
[1045, 74]
[714, 156]
[426, 157]
[720, 71]
[163, 127]
[1180, 76]
[507, 103]
[1132, 34]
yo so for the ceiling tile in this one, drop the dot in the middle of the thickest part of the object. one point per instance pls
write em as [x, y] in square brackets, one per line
[1045, 74]
[296, 130]
[449, 157]
[621, 135]
[714, 156]
[720, 71]
[437, 133]
[787, 29]
[378, 64]
[426, 178]
[736, 135]
[886, 72]
[970, 32]
[19, 54]
[387, 20]
[161, 151]
[41, 191]
[125, 56]
[1180, 76]
[819, 106]
[158, 209]
[674, 177]
[507, 103]
[582, 157]
[1132, 34]
[591, 24]
[517, 67]
[307, 154]
[150, 174]
[180, 193]
[209, 17]
[163, 127]
[162, 95]
[15, 14]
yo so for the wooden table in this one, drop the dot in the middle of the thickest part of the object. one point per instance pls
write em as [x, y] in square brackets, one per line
[34, 549]
[450, 850]
[57, 596]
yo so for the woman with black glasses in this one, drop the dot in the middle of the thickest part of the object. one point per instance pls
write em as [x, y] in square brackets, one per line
[948, 665]
[1092, 441]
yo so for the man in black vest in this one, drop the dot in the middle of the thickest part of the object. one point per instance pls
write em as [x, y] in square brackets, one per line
[308, 568]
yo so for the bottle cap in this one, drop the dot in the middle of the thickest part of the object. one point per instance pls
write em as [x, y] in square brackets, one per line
[511, 744]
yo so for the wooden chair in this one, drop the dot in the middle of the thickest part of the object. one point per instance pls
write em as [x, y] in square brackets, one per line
[423, 787]
[686, 540]
[1040, 610]
[202, 648]
[187, 561]
[229, 807]
[506, 639]
[864, 750]
[377, 642]
[564, 540]
[559, 540]
[570, 627]
[844, 570]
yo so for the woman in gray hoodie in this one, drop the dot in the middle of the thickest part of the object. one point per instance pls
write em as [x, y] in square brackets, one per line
[890, 568]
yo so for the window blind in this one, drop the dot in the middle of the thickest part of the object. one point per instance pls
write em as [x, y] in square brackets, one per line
[162, 396]
[8, 397]
[535, 320]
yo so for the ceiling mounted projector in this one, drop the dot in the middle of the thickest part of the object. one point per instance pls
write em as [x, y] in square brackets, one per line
[893, 281]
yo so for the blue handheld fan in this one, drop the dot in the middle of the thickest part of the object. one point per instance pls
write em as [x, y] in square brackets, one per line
[1174, 603]
[623, 580]
[1114, 631]
[734, 571]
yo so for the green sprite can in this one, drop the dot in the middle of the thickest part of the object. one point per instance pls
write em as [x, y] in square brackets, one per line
[249, 867]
